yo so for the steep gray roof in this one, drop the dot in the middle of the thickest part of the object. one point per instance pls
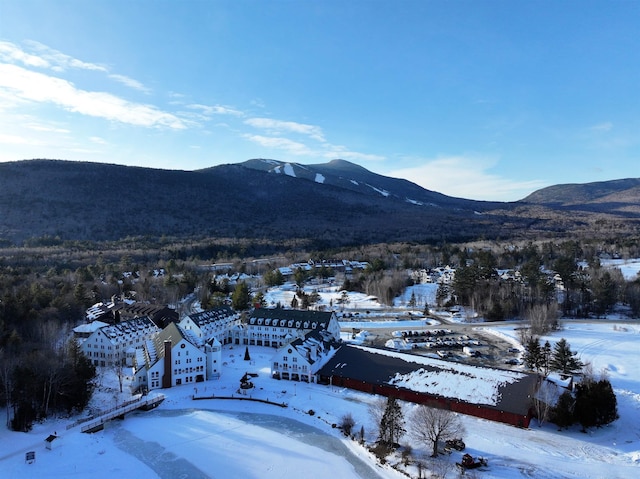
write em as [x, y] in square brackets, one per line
[320, 318]
[211, 315]
[171, 333]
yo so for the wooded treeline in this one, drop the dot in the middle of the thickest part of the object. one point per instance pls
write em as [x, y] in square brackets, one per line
[546, 281]
[45, 289]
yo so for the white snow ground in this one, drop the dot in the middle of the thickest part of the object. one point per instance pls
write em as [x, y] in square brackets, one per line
[220, 438]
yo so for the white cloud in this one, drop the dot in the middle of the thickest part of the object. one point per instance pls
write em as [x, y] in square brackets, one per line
[46, 128]
[14, 140]
[41, 88]
[44, 57]
[340, 152]
[130, 82]
[98, 140]
[323, 149]
[467, 177]
[59, 61]
[603, 127]
[279, 126]
[290, 146]
[215, 110]
[9, 52]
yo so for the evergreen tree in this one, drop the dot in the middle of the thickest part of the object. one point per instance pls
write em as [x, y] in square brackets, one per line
[80, 294]
[545, 352]
[564, 360]
[273, 278]
[464, 283]
[80, 386]
[562, 413]
[392, 423]
[605, 292]
[442, 294]
[533, 354]
[259, 300]
[300, 276]
[412, 301]
[496, 313]
[596, 403]
[240, 297]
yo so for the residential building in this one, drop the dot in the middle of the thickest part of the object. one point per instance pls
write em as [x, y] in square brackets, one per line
[277, 327]
[215, 323]
[172, 358]
[115, 344]
[301, 359]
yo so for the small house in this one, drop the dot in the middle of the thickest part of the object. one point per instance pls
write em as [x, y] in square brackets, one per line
[52, 442]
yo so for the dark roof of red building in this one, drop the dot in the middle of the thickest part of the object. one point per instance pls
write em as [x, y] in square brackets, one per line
[381, 367]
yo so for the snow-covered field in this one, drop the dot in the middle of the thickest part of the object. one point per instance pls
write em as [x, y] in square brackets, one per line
[229, 438]
[628, 267]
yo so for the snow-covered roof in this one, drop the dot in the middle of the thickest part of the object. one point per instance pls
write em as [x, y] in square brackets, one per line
[89, 327]
[504, 389]
[212, 315]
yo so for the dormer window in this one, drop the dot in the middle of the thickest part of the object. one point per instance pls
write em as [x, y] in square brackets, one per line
[297, 324]
[306, 325]
[267, 322]
[314, 325]
[290, 323]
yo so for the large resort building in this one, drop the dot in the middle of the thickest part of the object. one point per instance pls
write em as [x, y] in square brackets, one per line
[277, 327]
[307, 347]
[189, 350]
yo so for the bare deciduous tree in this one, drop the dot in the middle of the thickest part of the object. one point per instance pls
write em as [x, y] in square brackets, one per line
[346, 423]
[542, 318]
[544, 400]
[430, 426]
[376, 410]
[7, 363]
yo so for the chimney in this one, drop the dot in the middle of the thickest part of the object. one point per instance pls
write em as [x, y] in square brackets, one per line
[166, 377]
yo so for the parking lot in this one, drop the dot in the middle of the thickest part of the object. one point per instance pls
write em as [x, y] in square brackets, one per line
[467, 343]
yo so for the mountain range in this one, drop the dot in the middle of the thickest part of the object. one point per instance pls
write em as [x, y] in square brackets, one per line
[329, 204]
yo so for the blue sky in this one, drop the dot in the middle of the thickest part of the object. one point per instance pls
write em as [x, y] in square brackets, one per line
[487, 100]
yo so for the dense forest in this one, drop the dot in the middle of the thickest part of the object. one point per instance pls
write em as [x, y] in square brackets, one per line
[46, 287]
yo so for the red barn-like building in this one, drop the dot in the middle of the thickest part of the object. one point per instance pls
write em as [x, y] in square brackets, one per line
[495, 394]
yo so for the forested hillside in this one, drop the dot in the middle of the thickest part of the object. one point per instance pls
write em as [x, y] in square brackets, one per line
[335, 204]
